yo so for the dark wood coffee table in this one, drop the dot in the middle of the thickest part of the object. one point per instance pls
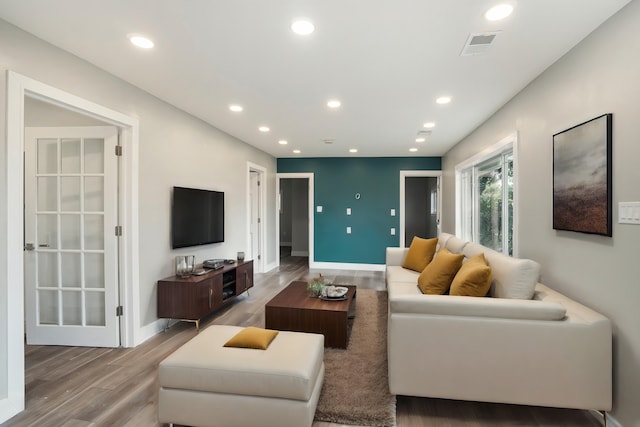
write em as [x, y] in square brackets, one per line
[293, 310]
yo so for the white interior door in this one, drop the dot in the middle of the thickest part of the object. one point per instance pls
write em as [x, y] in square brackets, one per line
[71, 259]
[256, 221]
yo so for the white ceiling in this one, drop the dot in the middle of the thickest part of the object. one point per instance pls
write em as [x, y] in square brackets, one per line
[386, 60]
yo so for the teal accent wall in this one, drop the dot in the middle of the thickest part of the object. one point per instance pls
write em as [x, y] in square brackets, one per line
[336, 181]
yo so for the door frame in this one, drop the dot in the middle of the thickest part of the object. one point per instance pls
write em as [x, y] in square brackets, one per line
[262, 213]
[418, 173]
[12, 392]
[311, 198]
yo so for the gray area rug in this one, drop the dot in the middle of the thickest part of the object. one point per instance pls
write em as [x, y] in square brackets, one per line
[356, 386]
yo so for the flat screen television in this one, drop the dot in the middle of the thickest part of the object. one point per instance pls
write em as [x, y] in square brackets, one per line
[197, 217]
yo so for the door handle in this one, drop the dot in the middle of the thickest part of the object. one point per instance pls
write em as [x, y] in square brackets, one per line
[29, 247]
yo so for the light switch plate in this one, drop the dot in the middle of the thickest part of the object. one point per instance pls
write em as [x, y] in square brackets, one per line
[348, 211]
[393, 231]
[318, 209]
[393, 212]
[629, 213]
[348, 230]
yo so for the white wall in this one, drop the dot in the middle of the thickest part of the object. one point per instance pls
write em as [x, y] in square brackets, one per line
[5, 322]
[601, 75]
[175, 149]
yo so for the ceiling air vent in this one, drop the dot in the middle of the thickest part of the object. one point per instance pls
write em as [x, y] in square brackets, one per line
[478, 43]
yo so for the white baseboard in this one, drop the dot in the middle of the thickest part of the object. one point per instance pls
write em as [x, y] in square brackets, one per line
[269, 267]
[611, 422]
[150, 330]
[299, 253]
[346, 266]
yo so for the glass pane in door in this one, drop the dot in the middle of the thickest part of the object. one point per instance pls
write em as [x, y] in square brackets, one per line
[47, 157]
[94, 303]
[71, 308]
[94, 270]
[490, 209]
[48, 307]
[70, 156]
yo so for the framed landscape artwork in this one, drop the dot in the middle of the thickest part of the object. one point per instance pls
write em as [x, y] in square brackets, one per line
[582, 177]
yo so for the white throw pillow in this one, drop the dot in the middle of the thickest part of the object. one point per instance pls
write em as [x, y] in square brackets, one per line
[512, 277]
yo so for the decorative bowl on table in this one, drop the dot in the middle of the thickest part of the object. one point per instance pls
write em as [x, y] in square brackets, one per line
[334, 292]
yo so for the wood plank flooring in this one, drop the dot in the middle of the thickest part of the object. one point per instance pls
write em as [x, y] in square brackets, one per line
[79, 386]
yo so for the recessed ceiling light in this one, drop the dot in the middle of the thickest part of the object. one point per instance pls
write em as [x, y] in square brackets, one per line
[420, 139]
[235, 108]
[498, 12]
[429, 125]
[264, 129]
[141, 41]
[297, 151]
[353, 150]
[283, 142]
[413, 150]
[443, 100]
[302, 26]
[334, 103]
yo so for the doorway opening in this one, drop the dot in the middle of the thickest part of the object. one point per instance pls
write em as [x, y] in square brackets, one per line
[420, 205]
[12, 392]
[294, 224]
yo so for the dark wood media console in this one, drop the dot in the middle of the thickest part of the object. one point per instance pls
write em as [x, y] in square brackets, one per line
[194, 297]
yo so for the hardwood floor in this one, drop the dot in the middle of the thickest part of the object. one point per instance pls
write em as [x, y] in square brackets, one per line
[79, 386]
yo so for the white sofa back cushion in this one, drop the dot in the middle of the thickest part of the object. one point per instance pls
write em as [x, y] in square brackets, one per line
[512, 277]
[445, 305]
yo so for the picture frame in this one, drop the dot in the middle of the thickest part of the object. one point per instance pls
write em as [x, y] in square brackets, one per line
[582, 170]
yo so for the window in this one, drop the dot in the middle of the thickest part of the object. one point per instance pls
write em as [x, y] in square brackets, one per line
[485, 198]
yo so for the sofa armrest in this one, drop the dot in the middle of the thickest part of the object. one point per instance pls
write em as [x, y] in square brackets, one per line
[449, 305]
[395, 256]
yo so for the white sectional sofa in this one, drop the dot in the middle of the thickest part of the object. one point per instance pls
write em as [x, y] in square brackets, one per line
[522, 344]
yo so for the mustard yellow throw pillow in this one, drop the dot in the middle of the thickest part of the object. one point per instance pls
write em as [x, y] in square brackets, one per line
[420, 253]
[473, 279]
[252, 337]
[436, 278]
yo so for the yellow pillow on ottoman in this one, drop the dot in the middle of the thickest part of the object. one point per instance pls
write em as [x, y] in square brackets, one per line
[473, 279]
[420, 253]
[252, 337]
[436, 278]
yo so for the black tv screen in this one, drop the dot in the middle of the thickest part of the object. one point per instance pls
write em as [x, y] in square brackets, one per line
[197, 217]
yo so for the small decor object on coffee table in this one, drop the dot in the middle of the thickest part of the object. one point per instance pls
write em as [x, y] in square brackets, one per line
[334, 293]
[316, 286]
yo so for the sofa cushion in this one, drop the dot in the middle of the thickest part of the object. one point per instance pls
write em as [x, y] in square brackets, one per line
[395, 273]
[420, 253]
[455, 244]
[446, 305]
[512, 277]
[436, 278]
[473, 279]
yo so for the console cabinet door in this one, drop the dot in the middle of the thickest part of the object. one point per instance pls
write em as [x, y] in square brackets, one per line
[244, 277]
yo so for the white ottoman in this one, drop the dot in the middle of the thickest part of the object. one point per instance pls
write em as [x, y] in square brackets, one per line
[205, 384]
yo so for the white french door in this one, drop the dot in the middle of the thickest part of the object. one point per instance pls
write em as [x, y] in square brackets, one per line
[71, 252]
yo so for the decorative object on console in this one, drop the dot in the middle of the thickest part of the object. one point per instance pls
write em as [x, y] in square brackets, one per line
[582, 172]
[185, 265]
[240, 256]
